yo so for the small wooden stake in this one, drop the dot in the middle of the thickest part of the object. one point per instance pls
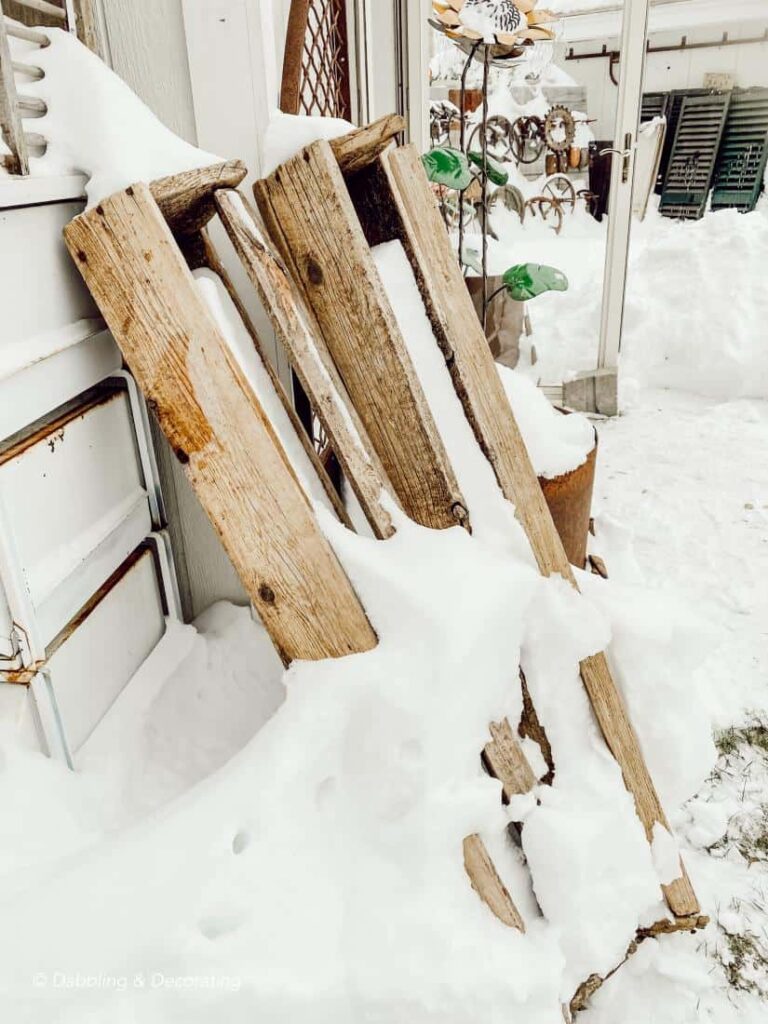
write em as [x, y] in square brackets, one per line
[488, 885]
[137, 274]
[310, 218]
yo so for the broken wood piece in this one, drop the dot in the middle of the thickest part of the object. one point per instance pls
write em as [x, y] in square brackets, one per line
[507, 762]
[362, 146]
[217, 428]
[317, 375]
[309, 216]
[395, 201]
[488, 885]
[186, 199]
[598, 566]
[213, 262]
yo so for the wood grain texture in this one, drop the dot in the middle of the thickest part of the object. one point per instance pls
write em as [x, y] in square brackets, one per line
[213, 262]
[87, 26]
[507, 762]
[316, 374]
[137, 274]
[309, 216]
[362, 146]
[186, 199]
[10, 120]
[414, 217]
[486, 882]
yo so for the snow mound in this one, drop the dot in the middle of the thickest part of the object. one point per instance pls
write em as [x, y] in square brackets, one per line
[95, 124]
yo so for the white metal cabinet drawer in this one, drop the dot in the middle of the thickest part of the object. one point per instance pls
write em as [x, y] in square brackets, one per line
[94, 658]
[42, 288]
[74, 504]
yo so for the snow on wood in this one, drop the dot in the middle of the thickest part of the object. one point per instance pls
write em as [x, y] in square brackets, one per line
[310, 218]
[95, 125]
[316, 371]
[217, 427]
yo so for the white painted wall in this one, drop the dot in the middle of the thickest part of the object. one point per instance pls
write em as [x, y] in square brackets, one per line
[672, 70]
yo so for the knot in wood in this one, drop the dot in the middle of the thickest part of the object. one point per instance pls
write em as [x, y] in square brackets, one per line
[314, 271]
[267, 594]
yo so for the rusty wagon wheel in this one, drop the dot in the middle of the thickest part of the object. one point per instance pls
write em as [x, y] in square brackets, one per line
[549, 209]
[527, 139]
[560, 187]
[498, 138]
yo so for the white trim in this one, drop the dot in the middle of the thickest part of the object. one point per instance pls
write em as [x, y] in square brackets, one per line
[33, 190]
[633, 42]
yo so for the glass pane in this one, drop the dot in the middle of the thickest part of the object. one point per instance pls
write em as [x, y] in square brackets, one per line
[549, 113]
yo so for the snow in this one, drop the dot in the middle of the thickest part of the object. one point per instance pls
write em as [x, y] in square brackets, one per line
[694, 320]
[95, 124]
[226, 316]
[288, 134]
[245, 843]
[20, 354]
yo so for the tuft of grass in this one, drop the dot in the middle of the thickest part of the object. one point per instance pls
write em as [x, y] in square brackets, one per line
[753, 734]
[744, 963]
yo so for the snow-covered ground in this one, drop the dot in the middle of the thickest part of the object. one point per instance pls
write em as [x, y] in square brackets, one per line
[243, 844]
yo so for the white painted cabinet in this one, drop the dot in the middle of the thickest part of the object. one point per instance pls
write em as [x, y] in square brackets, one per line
[86, 572]
[75, 503]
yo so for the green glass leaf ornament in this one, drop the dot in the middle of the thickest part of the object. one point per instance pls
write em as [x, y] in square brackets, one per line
[525, 281]
[447, 167]
[496, 173]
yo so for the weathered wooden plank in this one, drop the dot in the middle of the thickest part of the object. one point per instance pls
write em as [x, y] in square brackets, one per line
[487, 884]
[137, 274]
[213, 262]
[362, 146]
[10, 118]
[310, 218]
[317, 375]
[411, 214]
[87, 25]
[186, 199]
[507, 762]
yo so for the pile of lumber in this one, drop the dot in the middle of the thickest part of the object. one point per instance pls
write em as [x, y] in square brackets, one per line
[308, 255]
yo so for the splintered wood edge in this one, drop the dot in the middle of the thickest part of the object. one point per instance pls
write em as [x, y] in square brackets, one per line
[488, 885]
[186, 199]
[666, 926]
[362, 146]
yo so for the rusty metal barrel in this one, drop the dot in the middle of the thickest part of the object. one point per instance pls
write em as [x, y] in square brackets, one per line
[569, 497]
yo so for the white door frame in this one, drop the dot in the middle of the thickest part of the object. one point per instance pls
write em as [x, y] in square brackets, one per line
[633, 56]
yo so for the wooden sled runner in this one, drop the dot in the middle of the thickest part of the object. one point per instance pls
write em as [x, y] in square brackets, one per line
[323, 210]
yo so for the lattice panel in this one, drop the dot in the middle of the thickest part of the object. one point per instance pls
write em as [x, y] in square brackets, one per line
[316, 67]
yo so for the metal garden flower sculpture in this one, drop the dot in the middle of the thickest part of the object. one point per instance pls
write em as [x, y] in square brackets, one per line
[501, 22]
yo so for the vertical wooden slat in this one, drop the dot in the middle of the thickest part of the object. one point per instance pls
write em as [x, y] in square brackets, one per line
[212, 261]
[310, 218]
[412, 215]
[317, 375]
[87, 25]
[216, 426]
[10, 119]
